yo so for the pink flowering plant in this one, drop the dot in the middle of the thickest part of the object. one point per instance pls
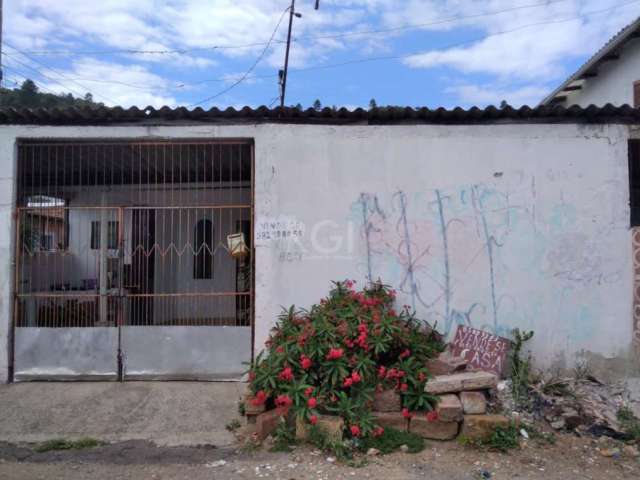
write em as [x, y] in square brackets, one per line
[332, 358]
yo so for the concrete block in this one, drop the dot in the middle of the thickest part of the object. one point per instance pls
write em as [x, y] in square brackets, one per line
[391, 420]
[478, 427]
[459, 382]
[267, 422]
[449, 408]
[433, 430]
[387, 401]
[445, 364]
[332, 426]
[473, 403]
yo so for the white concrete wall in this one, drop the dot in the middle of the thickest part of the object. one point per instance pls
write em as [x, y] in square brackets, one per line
[551, 200]
[614, 83]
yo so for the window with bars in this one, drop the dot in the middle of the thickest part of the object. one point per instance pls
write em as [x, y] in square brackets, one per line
[636, 94]
[112, 235]
[203, 257]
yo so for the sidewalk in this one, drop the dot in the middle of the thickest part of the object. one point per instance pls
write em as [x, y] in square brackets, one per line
[167, 413]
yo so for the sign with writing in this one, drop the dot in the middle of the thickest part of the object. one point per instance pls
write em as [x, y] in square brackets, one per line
[283, 227]
[483, 350]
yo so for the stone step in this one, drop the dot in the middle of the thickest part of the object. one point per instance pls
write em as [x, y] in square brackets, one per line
[479, 427]
[449, 408]
[473, 403]
[446, 364]
[460, 382]
[433, 430]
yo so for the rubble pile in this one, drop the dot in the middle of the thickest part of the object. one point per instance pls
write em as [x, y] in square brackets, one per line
[580, 405]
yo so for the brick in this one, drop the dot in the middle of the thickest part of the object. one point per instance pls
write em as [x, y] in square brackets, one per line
[250, 408]
[478, 427]
[473, 403]
[332, 425]
[445, 364]
[459, 382]
[387, 401]
[449, 408]
[391, 420]
[434, 430]
[267, 422]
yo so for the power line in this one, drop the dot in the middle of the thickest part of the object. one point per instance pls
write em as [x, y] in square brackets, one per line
[60, 74]
[373, 32]
[449, 46]
[251, 68]
[26, 77]
[39, 73]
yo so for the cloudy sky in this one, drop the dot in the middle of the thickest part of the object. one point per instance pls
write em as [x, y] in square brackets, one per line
[400, 52]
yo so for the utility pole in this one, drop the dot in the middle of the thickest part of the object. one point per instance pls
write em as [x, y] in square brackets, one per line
[283, 73]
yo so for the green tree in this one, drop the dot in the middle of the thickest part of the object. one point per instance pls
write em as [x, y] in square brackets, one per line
[372, 104]
[28, 95]
[317, 105]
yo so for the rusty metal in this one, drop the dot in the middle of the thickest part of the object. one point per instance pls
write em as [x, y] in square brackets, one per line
[105, 233]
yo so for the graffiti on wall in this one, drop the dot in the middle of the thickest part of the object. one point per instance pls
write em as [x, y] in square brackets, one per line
[452, 253]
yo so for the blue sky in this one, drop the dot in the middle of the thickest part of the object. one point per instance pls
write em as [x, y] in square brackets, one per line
[400, 52]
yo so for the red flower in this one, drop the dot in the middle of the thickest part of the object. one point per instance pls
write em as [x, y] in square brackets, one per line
[347, 382]
[405, 354]
[362, 328]
[335, 353]
[260, 398]
[378, 431]
[280, 349]
[283, 401]
[349, 284]
[422, 377]
[312, 402]
[313, 419]
[432, 416]
[355, 376]
[382, 372]
[308, 391]
[252, 376]
[286, 374]
[305, 362]
[355, 430]
[403, 387]
[406, 413]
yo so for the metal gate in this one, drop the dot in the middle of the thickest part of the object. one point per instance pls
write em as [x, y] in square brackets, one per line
[133, 260]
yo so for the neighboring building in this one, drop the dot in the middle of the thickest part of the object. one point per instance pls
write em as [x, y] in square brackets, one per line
[611, 76]
[491, 218]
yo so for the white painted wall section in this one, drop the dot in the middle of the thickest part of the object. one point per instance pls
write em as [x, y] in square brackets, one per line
[535, 221]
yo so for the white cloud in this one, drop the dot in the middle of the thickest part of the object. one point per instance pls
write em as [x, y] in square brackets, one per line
[482, 95]
[137, 86]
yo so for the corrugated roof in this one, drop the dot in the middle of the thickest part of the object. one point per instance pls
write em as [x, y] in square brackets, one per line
[376, 116]
[615, 43]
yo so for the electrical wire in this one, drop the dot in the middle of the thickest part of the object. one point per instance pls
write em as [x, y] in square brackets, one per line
[60, 74]
[449, 46]
[373, 32]
[251, 68]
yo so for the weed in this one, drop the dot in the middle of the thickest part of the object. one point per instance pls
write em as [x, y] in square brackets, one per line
[392, 439]
[540, 436]
[343, 450]
[520, 367]
[555, 386]
[284, 436]
[582, 370]
[241, 408]
[233, 425]
[629, 422]
[63, 444]
[502, 439]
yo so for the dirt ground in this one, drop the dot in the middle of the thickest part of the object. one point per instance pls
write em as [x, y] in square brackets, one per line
[569, 458]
